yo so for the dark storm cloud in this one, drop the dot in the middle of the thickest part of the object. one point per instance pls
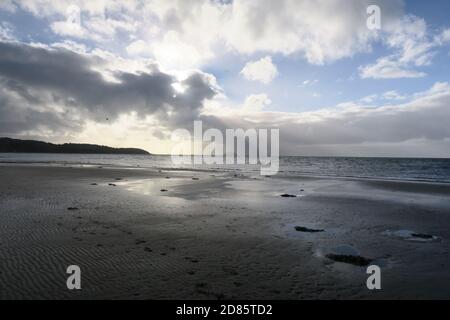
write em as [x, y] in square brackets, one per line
[59, 76]
[16, 118]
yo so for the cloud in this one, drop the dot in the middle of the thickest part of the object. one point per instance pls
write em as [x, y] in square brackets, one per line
[19, 114]
[172, 51]
[388, 68]
[413, 47]
[72, 86]
[321, 32]
[443, 37]
[393, 95]
[256, 102]
[67, 87]
[6, 32]
[344, 129]
[7, 5]
[262, 70]
[46, 91]
[369, 98]
[138, 48]
[64, 28]
[309, 82]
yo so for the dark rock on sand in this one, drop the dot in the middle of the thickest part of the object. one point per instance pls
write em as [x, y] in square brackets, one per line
[422, 235]
[163, 190]
[72, 208]
[304, 229]
[111, 184]
[194, 178]
[285, 195]
[355, 260]
[93, 184]
[193, 260]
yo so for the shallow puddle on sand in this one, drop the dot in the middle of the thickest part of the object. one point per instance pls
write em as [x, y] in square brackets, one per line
[271, 188]
[413, 236]
[150, 186]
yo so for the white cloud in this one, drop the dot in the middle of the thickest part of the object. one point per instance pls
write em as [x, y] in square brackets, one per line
[393, 95]
[321, 32]
[173, 52]
[65, 28]
[369, 99]
[139, 48]
[256, 102]
[72, 46]
[310, 82]
[388, 68]
[443, 37]
[6, 32]
[262, 70]
[413, 47]
[7, 5]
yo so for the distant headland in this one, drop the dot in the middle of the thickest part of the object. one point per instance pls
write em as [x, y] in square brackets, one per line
[8, 145]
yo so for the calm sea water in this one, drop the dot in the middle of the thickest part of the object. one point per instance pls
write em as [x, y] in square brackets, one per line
[437, 170]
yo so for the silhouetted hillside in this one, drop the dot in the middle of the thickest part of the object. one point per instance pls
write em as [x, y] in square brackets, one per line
[32, 146]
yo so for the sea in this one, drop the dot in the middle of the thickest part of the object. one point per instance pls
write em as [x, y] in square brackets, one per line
[411, 169]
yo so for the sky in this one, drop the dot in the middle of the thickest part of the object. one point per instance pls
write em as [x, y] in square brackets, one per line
[128, 73]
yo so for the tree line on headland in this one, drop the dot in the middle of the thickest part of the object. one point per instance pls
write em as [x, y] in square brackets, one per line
[33, 146]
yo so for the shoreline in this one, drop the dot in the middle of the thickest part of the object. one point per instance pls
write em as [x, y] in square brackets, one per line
[219, 170]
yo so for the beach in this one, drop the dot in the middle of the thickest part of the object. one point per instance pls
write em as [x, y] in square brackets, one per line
[142, 233]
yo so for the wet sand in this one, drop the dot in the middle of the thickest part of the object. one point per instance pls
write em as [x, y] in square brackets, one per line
[218, 236]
